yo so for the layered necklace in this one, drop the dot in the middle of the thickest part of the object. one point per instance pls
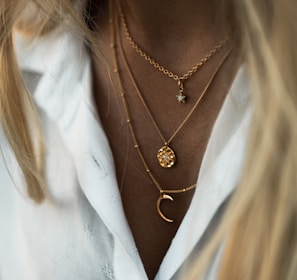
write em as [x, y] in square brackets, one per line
[166, 155]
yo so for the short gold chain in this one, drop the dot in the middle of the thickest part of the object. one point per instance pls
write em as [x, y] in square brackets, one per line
[157, 65]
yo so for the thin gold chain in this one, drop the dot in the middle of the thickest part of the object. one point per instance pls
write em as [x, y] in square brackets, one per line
[135, 85]
[157, 65]
[114, 34]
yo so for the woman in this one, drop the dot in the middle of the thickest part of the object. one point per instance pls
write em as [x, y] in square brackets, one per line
[124, 156]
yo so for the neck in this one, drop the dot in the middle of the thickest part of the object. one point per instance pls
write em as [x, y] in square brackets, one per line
[167, 29]
[161, 21]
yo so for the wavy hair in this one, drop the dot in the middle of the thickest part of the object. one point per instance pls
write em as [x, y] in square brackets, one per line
[259, 228]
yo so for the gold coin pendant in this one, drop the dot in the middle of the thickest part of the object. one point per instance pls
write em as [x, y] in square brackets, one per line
[166, 157]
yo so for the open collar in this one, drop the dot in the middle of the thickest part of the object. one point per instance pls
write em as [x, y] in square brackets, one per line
[64, 93]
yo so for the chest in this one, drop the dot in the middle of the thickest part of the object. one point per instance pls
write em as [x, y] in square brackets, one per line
[139, 192]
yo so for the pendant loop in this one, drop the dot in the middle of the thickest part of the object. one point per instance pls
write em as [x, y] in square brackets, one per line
[181, 98]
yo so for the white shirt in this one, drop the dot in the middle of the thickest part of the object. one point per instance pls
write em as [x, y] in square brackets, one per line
[80, 231]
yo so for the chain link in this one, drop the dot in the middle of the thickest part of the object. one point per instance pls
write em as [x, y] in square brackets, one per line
[161, 68]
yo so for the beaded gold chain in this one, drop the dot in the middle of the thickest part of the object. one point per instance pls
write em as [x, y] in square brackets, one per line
[164, 194]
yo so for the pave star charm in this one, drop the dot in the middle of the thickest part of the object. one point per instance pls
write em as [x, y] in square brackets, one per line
[181, 98]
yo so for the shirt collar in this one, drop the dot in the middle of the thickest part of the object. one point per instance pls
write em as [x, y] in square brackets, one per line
[64, 93]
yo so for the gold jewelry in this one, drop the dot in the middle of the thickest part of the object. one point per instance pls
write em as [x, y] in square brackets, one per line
[165, 155]
[181, 98]
[164, 194]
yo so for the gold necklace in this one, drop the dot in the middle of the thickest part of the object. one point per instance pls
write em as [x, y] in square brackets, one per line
[181, 97]
[164, 194]
[166, 155]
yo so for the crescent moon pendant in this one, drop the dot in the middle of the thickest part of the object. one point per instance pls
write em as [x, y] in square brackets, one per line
[163, 196]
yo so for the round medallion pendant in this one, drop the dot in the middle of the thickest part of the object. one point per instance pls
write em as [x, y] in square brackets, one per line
[166, 157]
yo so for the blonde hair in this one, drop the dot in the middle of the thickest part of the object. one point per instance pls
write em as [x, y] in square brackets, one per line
[259, 227]
[18, 115]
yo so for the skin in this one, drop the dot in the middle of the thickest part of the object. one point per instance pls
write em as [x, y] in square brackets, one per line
[177, 34]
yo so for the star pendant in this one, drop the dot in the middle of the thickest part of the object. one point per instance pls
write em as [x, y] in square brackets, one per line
[181, 98]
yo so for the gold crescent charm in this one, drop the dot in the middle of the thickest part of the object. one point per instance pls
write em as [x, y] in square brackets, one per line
[163, 196]
[166, 157]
